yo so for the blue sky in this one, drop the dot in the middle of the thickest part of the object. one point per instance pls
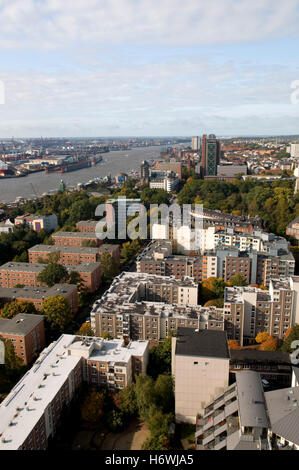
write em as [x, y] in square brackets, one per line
[148, 67]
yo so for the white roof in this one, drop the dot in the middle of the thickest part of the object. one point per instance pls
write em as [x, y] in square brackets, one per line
[103, 350]
[20, 407]
[27, 401]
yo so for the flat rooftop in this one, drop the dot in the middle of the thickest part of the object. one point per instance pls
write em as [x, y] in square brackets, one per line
[203, 343]
[27, 401]
[126, 295]
[111, 351]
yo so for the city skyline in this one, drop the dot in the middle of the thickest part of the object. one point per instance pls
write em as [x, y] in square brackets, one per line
[86, 68]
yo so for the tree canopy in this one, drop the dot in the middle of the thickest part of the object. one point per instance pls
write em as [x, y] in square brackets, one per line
[11, 309]
[57, 313]
[92, 407]
[109, 267]
[85, 330]
[238, 280]
[292, 336]
[53, 273]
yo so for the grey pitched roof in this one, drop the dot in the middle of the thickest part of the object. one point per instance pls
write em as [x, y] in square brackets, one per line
[265, 357]
[251, 400]
[283, 411]
[21, 324]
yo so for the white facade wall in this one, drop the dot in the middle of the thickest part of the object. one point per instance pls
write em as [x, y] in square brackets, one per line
[198, 380]
[211, 266]
[160, 232]
[187, 295]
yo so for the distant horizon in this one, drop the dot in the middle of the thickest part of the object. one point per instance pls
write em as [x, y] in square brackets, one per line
[223, 136]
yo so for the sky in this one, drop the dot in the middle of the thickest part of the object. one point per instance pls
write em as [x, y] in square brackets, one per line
[149, 67]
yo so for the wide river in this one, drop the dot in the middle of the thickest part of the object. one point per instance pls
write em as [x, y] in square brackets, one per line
[113, 163]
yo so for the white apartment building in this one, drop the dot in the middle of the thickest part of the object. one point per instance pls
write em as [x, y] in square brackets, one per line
[38, 222]
[200, 367]
[159, 232]
[294, 150]
[31, 412]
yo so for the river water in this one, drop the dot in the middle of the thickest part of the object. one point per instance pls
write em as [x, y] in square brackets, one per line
[113, 163]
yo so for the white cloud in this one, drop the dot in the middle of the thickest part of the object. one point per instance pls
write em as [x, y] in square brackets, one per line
[147, 99]
[54, 24]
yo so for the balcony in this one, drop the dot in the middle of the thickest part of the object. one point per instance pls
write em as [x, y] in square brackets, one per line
[220, 428]
[208, 423]
[230, 394]
[233, 424]
[208, 436]
[219, 402]
[219, 418]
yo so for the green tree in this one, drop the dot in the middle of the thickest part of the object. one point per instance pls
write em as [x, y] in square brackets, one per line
[160, 359]
[57, 313]
[218, 287]
[52, 258]
[12, 370]
[11, 309]
[158, 422]
[19, 247]
[128, 402]
[75, 278]
[109, 267]
[144, 395]
[92, 407]
[238, 280]
[81, 210]
[115, 421]
[53, 273]
[154, 196]
[215, 303]
[163, 391]
[22, 258]
[12, 361]
[85, 330]
[160, 442]
[293, 336]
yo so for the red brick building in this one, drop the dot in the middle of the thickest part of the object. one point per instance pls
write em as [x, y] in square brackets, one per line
[86, 225]
[15, 273]
[27, 334]
[37, 295]
[68, 255]
[113, 250]
[76, 239]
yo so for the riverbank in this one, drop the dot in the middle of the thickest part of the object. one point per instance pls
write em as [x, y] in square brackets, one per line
[113, 163]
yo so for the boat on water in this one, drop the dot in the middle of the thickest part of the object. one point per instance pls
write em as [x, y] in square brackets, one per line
[78, 165]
